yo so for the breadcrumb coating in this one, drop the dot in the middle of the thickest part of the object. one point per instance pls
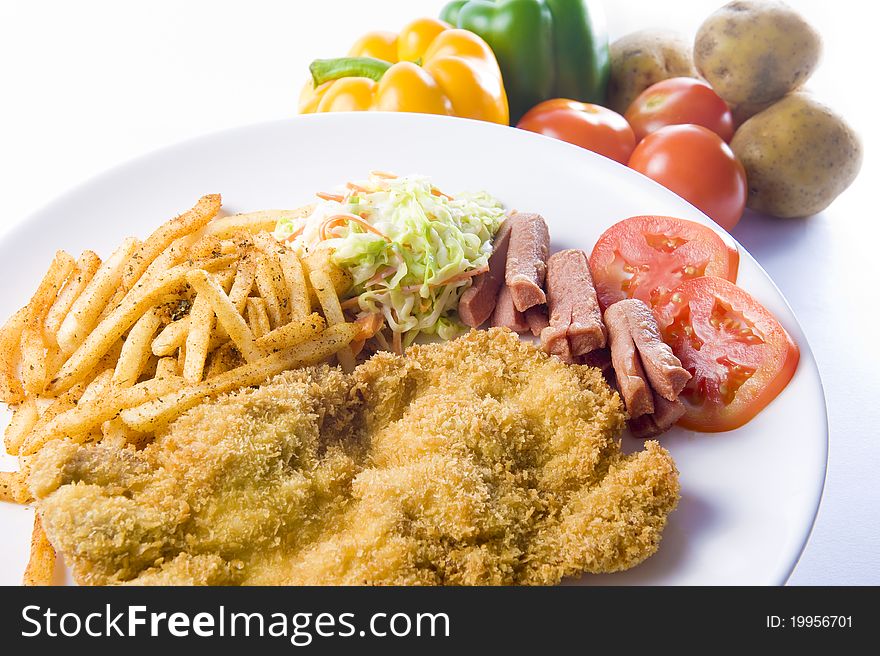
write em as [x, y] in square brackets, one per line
[477, 461]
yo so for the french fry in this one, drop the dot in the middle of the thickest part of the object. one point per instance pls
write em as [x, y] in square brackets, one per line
[142, 297]
[166, 368]
[11, 390]
[176, 253]
[13, 488]
[33, 343]
[115, 431]
[87, 415]
[86, 267]
[243, 283]
[227, 314]
[218, 361]
[266, 285]
[258, 320]
[23, 421]
[187, 223]
[253, 222]
[136, 349]
[170, 337]
[83, 315]
[201, 323]
[96, 388]
[40, 569]
[159, 412]
[291, 334]
[323, 286]
[297, 290]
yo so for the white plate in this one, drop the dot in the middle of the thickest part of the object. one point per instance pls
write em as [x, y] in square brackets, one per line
[749, 497]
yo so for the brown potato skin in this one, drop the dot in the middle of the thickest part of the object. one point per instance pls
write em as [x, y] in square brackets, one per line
[756, 51]
[643, 58]
[799, 155]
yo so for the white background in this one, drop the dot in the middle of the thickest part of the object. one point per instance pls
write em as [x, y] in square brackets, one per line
[87, 85]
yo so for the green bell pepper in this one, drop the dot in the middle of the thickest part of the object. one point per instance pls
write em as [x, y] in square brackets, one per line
[545, 48]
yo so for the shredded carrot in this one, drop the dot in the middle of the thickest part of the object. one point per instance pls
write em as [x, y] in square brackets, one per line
[384, 174]
[296, 233]
[323, 195]
[340, 219]
[437, 192]
[369, 325]
[356, 187]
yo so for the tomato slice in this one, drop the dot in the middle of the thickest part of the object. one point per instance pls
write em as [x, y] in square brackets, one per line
[646, 257]
[739, 356]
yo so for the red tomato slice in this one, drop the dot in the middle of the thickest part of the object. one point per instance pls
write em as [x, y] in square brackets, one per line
[646, 257]
[739, 355]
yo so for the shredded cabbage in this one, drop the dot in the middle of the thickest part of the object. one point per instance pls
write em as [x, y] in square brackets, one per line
[410, 249]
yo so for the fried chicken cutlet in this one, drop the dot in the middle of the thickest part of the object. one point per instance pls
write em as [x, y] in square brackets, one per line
[477, 461]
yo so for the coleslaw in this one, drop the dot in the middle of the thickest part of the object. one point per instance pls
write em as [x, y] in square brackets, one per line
[411, 249]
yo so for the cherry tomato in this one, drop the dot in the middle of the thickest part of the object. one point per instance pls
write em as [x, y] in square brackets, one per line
[678, 101]
[739, 356]
[589, 126]
[647, 257]
[697, 165]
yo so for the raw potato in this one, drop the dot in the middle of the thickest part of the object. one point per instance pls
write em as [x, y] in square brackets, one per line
[756, 51]
[643, 58]
[799, 156]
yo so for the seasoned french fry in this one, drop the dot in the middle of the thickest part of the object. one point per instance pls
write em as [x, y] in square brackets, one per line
[291, 334]
[13, 488]
[297, 290]
[218, 361]
[253, 222]
[99, 386]
[40, 569]
[142, 297]
[329, 301]
[243, 283]
[201, 323]
[87, 415]
[166, 368]
[159, 412]
[23, 421]
[115, 431]
[187, 223]
[11, 390]
[136, 349]
[85, 311]
[86, 267]
[61, 404]
[227, 314]
[171, 337]
[176, 253]
[258, 320]
[266, 285]
[33, 343]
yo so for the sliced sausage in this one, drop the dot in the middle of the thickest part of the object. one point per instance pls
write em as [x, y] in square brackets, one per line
[631, 379]
[536, 317]
[573, 305]
[665, 414]
[664, 370]
[477, 302]
[506, 315]
[527, 260]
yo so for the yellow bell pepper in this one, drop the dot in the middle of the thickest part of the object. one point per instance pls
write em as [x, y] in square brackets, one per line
[430, 67]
